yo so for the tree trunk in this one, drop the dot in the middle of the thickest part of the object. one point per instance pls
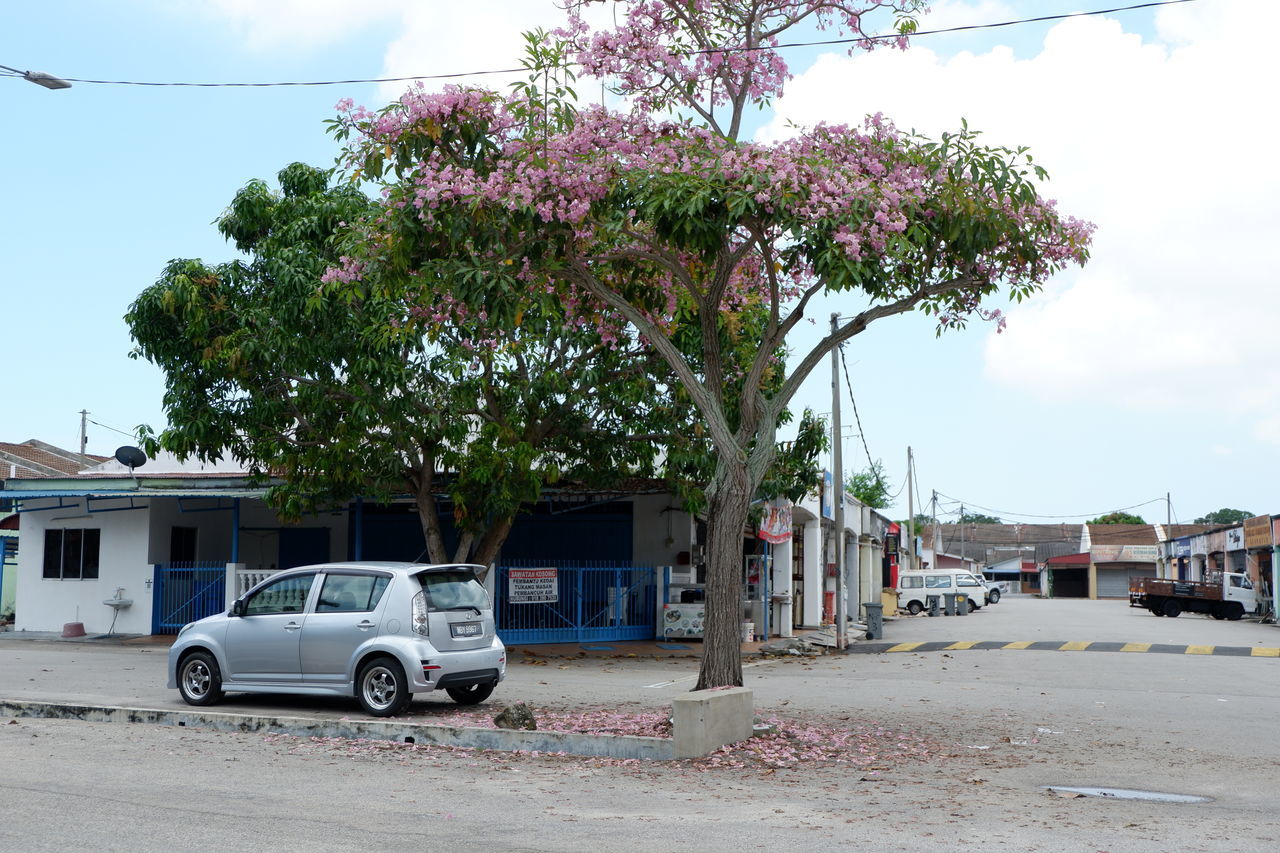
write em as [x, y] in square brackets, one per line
[428, 516]
[728, 503]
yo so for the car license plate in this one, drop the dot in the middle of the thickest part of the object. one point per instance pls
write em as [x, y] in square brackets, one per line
[466, 629]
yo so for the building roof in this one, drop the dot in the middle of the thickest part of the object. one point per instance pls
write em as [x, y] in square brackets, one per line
[1122, 534]
[1177, 531]
[35, 459]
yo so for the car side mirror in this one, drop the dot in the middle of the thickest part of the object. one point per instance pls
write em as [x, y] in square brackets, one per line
[237, 607]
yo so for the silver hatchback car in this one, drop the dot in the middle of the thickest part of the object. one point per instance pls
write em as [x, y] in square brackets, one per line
[377, 631]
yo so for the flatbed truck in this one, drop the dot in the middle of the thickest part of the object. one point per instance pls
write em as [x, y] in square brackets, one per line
[1226, 595]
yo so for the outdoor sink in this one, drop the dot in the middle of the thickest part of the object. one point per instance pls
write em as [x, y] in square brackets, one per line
[117, 603]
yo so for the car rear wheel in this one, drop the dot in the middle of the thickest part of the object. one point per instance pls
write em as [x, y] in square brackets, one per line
[199, 679]
[1172, 608]
[382, 688]
[472, 694]
[914, 608]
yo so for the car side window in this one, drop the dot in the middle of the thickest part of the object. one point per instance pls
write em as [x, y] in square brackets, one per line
[351, 593]
[937, 581]
[287, 595]
[966, 581]
[912, 582]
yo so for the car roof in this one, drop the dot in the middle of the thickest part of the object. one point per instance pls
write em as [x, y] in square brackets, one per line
[384, 565]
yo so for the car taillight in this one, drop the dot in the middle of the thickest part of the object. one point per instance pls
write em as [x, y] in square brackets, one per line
[420, 614]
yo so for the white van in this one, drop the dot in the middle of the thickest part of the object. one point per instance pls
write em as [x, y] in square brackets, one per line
[915, 587]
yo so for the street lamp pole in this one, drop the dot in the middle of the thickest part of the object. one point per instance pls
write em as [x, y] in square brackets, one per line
[40, 78]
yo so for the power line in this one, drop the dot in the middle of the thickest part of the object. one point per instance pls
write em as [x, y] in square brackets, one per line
[113, 429]
[1002, 513]
[459, 74]
[861, 435]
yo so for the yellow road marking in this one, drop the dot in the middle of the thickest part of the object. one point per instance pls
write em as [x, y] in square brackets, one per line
[1021, 644]
[1076, 646]
[966, 644]
[1199, 650]
[1264, 653]
[904, 647]
[1135, 647]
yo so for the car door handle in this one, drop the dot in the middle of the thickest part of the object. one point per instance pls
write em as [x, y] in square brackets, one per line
[292, 626]
[365, 625]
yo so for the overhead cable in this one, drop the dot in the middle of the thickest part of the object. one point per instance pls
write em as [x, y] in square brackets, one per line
[455, 75]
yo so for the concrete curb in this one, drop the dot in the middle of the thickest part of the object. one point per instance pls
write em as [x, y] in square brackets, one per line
[507, 740]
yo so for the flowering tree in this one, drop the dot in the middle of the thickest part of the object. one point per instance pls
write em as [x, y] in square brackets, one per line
[660, 223]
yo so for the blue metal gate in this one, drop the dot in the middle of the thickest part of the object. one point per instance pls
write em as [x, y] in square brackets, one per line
[592, 603]
[185, 592]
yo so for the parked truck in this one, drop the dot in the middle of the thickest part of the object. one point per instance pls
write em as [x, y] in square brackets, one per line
[1226, 595]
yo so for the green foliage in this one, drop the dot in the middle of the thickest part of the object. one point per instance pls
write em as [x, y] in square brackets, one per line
[1117, 518]
[978, 518]
[921, 521]
[1224, 516]
[337, 391]
[869, 486]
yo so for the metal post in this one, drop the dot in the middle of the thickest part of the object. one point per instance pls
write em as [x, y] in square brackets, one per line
[235, 530]
[359, 545]
[838, 463]
[766, 566]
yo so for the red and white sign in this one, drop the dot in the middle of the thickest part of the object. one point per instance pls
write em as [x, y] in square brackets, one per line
[533, 586]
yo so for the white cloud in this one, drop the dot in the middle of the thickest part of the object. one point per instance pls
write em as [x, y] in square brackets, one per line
[451, 37]
[1166, 146]
[301, 24]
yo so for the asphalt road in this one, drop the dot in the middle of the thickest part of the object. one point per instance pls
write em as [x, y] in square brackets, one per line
[1012, 723]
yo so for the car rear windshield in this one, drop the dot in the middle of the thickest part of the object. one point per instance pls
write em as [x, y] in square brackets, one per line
[454, 590]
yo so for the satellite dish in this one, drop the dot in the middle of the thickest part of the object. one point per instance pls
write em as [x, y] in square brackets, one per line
[131, 457]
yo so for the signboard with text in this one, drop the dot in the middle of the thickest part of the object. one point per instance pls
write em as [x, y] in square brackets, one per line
[533, 586]
[1257, 532]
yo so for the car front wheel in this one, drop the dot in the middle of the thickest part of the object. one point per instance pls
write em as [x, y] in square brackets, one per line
[382, 688]
[994, 597]
[472, 694]
[199, 679]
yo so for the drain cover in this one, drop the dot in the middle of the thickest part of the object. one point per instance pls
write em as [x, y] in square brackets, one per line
[1126, 794]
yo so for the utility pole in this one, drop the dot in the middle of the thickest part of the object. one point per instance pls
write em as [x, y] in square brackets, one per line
[837, 462]
[911, 516]
[962, 565]
[84, 436]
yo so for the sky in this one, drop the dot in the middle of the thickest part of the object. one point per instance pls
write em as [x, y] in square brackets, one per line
[1150, 372]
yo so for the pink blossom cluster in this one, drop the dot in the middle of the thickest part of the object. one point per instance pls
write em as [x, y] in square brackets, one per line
[348, 270]
[663, 50]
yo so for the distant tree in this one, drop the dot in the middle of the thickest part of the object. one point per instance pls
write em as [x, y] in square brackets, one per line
[921, 521]
[978, 518]
[869, 486]
[1118, 518]
[1224, 516]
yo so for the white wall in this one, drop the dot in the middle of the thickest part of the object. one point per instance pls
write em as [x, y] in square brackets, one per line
[213, 537]
[47, 605]
[651, 528]
[131, 542]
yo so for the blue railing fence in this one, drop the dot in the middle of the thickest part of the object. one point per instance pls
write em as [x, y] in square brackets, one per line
[186, 591]
[594, 602]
